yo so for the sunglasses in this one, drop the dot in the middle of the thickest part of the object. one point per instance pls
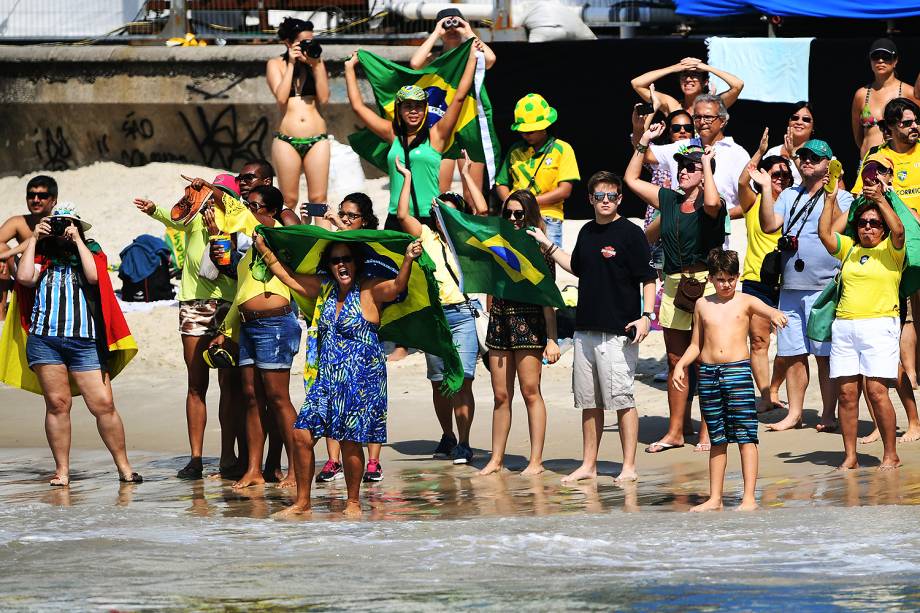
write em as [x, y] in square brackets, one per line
[802, 118]
[705, 118]
[906, 123]
[882, 56]
[811, 158]
[516, 214]
[780, 175]
[246, 178]
[350, 216]
[691, 168]
[676, 128]
[599, 196]
[39, 195]
[345, 259]
[875, 224]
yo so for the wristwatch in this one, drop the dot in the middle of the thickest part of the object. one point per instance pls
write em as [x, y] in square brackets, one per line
[651, 316]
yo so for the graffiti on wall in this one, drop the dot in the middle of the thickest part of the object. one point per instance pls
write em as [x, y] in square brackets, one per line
[52, 148]
[221, 141]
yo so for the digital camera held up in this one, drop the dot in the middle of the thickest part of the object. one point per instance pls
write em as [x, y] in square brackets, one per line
[311, 48]
[58, 225]
[788, 243]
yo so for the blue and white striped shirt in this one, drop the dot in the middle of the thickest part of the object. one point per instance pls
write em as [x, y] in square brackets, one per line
[60, 307]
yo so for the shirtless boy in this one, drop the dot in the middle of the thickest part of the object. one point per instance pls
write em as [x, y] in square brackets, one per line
[41, 196]
[726, 388]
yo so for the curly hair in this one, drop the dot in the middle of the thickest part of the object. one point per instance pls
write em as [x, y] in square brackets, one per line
[366, 207]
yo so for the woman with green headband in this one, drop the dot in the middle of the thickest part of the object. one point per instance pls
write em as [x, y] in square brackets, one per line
[409, 131]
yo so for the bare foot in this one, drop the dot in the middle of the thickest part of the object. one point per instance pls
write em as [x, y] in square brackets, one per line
[626, 476]
[287, 481]
[490, 468]
[295, 510]
[848, 465]
[747, 505]
[890, 464]
[579, 474]
[59, 481]
[865, 440]
[789, 423]
[912, 434]
[702, 447]
[249, 479]
[827, 426]
[533, 469]
[352, 509]
[399, 353]
[709, 505]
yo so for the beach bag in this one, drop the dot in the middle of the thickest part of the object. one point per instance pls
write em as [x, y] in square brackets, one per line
[689, 290]
[824, 309]
[156, 286]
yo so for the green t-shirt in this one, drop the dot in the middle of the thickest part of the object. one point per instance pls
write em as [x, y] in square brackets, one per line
[698, 232]
[193, 286]
[425, 164]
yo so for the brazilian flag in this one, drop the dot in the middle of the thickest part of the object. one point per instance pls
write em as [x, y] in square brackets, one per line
[910, 278]
[414, 319]
[498, 259]
[474, 130]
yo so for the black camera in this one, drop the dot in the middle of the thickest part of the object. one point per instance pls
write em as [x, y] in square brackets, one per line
[311, 48]
[58, 225]
[788, 243]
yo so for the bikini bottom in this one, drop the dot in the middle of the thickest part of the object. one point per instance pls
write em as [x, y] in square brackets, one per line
[301, 145]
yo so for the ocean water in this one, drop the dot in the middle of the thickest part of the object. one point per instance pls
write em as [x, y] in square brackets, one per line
[435, 538]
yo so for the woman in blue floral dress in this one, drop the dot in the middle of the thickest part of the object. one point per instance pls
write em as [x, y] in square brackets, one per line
[348, 400]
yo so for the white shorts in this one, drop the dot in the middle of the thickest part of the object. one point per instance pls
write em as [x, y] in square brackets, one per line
[603, 371]
[868, 347]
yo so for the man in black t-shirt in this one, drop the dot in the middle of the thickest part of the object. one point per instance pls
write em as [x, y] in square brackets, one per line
[611, 261]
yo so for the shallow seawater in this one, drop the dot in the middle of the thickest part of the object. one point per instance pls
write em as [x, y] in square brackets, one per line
[434, 537]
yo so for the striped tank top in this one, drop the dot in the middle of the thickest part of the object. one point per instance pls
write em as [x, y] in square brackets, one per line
[60, 307]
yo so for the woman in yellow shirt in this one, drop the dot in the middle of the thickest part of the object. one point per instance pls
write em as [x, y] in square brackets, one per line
[865, 335]
[772, 173]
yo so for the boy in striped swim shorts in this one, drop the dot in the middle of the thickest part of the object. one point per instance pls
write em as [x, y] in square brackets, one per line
[726, 388]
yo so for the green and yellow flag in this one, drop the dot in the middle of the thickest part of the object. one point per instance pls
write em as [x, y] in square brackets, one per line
[415, 319]
[498, 259]
[474, 130]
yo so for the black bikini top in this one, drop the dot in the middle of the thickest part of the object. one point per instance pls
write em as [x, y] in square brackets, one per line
[308, 87]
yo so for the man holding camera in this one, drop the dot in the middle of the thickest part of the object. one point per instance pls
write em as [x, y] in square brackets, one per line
[41, 196]
[807, 269]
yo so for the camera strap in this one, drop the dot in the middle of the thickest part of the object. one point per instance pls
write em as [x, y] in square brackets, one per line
[803, 214]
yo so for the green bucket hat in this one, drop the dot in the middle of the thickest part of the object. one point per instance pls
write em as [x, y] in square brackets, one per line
[532, 113]
[411, 92]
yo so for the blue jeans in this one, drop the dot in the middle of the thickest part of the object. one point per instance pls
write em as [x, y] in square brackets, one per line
[463, 330]
[554, 230]
[77, 354]
[270, 343]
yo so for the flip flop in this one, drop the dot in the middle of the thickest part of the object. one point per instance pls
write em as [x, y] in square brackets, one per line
[702, 447]
[134, 478]
[662, 446]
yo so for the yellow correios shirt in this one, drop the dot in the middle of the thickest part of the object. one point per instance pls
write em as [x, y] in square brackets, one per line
[759, 244]
[871, 277]
[906, 179]
[556, 166]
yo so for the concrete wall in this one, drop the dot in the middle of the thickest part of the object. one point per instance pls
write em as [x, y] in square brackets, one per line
[66, 106]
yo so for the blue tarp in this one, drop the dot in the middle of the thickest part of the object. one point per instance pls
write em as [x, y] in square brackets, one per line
[852, 9]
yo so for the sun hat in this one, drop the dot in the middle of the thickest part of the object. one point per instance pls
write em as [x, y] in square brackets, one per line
[228, 184]
[68, 210]
[532, 113]
[411, 92]
[818, 147]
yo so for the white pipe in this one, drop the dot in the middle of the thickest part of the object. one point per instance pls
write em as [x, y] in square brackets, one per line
[429, 10]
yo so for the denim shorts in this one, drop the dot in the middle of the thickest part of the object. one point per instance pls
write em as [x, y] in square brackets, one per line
[463, 330]
[77, 354]
[270, 343]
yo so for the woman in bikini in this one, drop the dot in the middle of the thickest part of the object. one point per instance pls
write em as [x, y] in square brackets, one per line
[869, 101]
[299, 83]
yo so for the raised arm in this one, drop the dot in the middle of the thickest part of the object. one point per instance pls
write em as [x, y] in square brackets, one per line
[770, 222]
[374, 122]
[559, 256]
[445, 126]
[746, 195]
[390, 289]
[644, 189]
[410, 224]
[825, 223]
[305, 285]
[320, 78]
[87, 262]
[641, 86]
[876, 193]
[279, 73]
[735, 85]
[712, 201]
[477, 200]
[423, 54]
[27, 273]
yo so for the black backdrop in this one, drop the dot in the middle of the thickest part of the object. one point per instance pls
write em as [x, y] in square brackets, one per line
[588, 83]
